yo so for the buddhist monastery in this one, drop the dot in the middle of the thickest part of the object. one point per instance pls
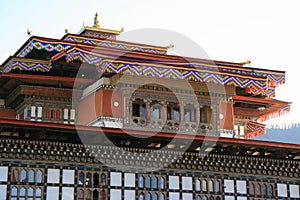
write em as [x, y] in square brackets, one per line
[90, 117]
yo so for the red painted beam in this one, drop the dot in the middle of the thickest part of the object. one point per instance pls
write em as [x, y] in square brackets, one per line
[242, 142]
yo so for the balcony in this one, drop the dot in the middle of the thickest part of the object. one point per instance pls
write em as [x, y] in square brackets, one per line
[171, 126]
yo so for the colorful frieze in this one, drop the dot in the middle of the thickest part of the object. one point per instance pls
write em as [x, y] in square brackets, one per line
[189, 74]
[115, 44]
[269, 92]
[41, 45]
[255, 129]
[26, 66]
[278, 113]
[86, 57]
[100, 35]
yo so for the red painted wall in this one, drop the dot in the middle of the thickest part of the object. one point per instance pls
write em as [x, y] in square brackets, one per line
[226, 109]
[7, 113]
[100, 103]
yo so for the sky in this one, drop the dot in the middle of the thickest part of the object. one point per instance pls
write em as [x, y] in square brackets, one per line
[265, 32]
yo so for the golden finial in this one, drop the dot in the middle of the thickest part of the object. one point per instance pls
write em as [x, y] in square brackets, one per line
[96, 21]
[66, 31]
[170, 46]
[248, 62]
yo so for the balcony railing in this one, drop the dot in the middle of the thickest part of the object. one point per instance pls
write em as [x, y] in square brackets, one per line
[140, 121]
[171, 126]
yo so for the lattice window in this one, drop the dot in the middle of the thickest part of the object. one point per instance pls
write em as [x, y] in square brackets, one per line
[32, 175]
[207, 185]
[26, 192]
[90, 185]
[151, 196]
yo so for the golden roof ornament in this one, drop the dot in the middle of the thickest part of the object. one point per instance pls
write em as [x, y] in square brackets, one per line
[97, 28]
[96, 21]
[248, 62]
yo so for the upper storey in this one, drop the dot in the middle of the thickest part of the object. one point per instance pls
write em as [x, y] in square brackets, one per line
[56, 63]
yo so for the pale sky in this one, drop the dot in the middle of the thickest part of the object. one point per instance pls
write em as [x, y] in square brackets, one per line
[265, 32]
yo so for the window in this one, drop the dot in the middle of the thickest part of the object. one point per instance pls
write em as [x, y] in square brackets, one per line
[3, 173]
[47, 115]
[88, 195]
[139, 108]
[81, 178]
[173, 112]
[217, 186]
[210, 186]
[142, 196]
[96, 179]
[155, 111]
[22, 192]
[53, 176]
[189, 113]
[205, 114]
[294, 191]
[187, 183]
[162, 183]
[68, 176]
[264, 189]
[148, 196]
[52, 114]
[148, 182]
[103, 195]
[95, 195]
[252, 188]
[38, 194]
[115, 179]
[258, 189]
[15, 175]
[103, 179]
[115, 194]
[23, 176]
[141, 182]
[80, 195]
[30, 193]
[154, 182]
[204, 185]
[198, 185]
[174, 182]
[270, 190]
[241, 187]
[40, 111]
[282, 190]
[39, 176]
[57, 114]
[88, 180]
[14, 192]
[129, 180]
[31, 176]
[229, 186]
